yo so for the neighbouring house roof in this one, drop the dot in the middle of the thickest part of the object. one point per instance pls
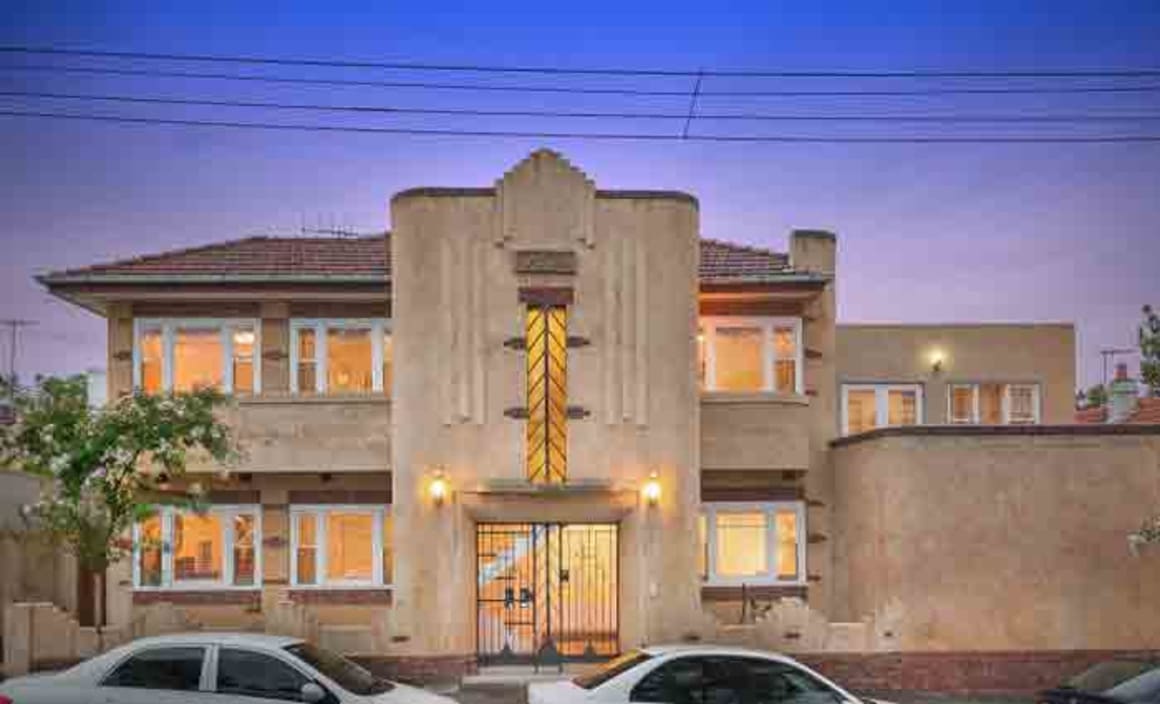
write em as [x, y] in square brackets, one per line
[1147, 411]
[360, 259]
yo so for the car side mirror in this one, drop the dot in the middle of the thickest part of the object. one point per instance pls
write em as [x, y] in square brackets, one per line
[312, 693]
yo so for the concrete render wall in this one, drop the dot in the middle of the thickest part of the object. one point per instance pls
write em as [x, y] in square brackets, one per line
[1042, 353]
[456, 303]
[966, 540]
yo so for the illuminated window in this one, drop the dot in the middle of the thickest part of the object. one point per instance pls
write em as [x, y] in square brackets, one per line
[188, 354]
[752, 543]
[212, 550]
[869, 406]
[340, 546]
[994, 404]
[341, 356]
[741, 544]
[547, 394]
[751, 354]
[149, 552]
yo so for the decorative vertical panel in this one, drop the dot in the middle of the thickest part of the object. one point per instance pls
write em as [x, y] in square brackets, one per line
[547, 394]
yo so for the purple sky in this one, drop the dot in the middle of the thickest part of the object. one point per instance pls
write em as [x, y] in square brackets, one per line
[928, 233]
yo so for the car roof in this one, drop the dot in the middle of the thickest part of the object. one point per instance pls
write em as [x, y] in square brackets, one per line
[704, 649]
[259, 640]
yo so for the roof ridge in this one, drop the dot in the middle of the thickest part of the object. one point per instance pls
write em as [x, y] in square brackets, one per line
[745, 247]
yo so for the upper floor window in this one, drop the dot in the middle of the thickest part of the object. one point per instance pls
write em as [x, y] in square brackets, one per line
[751, 354]
[869, 406]
[752, 543]
[182, 549]
[192, 353]
[340, 356]
[993, 404]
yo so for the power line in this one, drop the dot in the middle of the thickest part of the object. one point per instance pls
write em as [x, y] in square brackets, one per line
[557, 70]
[611, 136]
[569, 90]
[688, 117]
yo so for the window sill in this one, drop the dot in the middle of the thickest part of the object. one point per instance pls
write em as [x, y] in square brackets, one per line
[710, 592]
[755, 397]
[381, 594]
[286, 398]
[248, 596]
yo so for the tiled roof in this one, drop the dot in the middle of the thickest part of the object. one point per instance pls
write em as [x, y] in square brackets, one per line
[1147, 411]
[358, 258]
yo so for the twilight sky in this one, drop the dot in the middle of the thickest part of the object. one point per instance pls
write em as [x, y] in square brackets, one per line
[927, 233]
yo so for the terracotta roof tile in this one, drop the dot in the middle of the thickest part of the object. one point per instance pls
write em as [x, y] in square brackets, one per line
[364, 257]
[1147, 411]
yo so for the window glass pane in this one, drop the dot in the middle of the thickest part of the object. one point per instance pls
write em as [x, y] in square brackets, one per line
[1022, 404]
[388, 363]
[151, 355]
[197, 547]
[780, 683]
[244, 339]
[902, 407]
[388, 549]
[703, 546]
[307, 361]
[197, 359]
[307, 549]
[962, 404]
[257, 675]
[990, 404]
[348, 360]
[787, 544]
[244, 549]
[785, 376]
[860, 410]
[149, 552]
[701, 358]
[741, 544]
[350, 546]
[738, 355]
[160, 668]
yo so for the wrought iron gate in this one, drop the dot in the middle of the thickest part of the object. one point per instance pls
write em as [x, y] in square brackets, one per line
[546, 592]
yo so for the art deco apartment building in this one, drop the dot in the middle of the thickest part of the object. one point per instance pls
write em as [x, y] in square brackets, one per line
[542, 421]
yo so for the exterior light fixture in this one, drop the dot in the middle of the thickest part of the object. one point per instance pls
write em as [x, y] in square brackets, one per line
[936, 361]
[438, 489]
[652, 490]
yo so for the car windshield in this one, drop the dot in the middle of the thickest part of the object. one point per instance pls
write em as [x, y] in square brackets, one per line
[346, 674]
[1106, 676]
[611, 669]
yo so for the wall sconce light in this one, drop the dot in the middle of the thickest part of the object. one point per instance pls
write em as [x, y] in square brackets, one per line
[438, 489]
[652, 490]
[936, 361]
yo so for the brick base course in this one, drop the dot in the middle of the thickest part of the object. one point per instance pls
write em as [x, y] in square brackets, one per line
[1009, 672]
[419, 670]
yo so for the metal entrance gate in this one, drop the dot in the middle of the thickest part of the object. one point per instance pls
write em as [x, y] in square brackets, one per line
[546, 592]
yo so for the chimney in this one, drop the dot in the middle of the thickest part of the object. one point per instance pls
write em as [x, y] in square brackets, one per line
[1121, 396]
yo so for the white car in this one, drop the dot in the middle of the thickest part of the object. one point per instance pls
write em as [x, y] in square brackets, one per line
[695, 675]
[217, 668]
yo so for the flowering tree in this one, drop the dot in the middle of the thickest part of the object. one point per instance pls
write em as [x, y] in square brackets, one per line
[108, 468]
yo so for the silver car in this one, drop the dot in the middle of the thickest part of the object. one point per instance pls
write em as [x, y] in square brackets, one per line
[223, 668]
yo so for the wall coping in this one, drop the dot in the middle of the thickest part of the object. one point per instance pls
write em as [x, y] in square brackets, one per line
[280, 398]
[772, 398]
[1080, 429]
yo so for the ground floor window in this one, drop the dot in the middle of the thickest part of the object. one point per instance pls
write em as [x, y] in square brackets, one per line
[869, 406]
[993, 404]
[340, 546]
[180, 549]
[752, 543]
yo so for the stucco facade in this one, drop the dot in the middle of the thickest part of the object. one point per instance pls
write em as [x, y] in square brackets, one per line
[705, 387]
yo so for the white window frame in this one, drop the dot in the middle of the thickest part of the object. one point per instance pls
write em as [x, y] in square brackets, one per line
[379, 515]
[225, 514]
[711, 510]
[379, 328]
[882, 402]
[1005, 402]
[169, 327]
[767, 324]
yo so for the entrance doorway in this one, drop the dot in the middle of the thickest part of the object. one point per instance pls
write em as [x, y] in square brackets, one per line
[546, 593]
